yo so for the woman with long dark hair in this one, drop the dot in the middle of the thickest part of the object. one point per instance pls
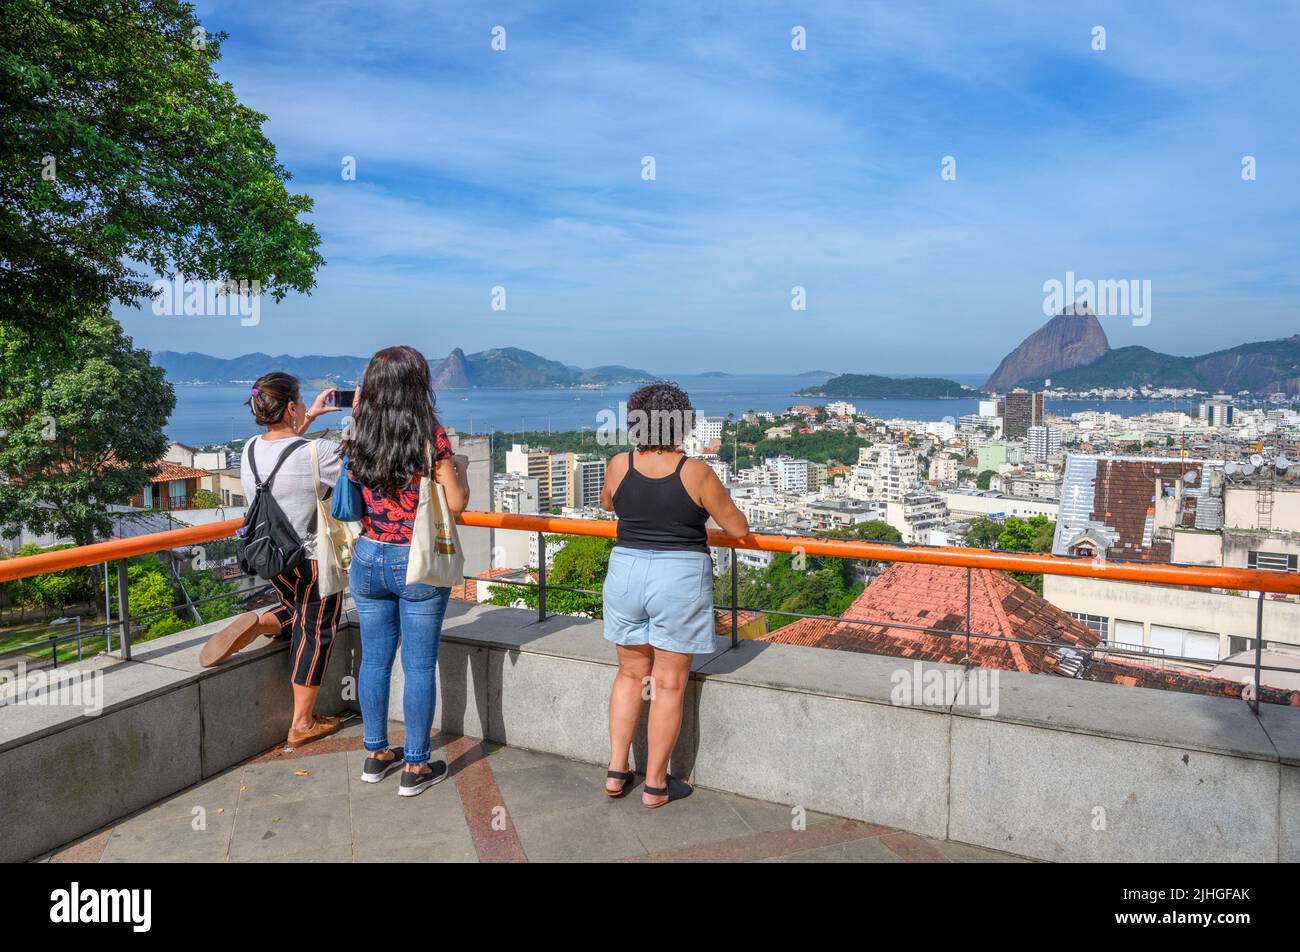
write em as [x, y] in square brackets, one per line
[303, 616]
[395, 439]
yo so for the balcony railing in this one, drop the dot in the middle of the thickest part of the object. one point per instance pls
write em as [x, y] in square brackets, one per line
[1261, 581]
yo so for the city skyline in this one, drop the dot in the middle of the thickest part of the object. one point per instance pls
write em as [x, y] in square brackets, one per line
[775, 169]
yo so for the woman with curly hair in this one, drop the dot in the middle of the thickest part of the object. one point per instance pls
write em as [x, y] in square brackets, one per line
[658, 592]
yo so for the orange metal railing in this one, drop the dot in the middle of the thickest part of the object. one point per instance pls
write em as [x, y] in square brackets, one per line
[1256, 580]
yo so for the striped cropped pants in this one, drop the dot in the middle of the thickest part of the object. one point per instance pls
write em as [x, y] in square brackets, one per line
[308, 620]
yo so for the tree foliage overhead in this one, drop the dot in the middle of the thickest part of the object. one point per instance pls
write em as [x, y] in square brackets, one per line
[121, 147]
[81, 426]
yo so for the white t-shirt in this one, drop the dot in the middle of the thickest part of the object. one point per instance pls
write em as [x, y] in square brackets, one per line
[294, 487]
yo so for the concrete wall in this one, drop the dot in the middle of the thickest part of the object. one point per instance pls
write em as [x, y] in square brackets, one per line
[1051, 768]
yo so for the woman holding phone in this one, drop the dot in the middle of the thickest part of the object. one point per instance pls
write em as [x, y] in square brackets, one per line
[303, 616]
[395, 439]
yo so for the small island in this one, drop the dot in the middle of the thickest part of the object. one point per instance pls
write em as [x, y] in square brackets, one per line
[875, 387]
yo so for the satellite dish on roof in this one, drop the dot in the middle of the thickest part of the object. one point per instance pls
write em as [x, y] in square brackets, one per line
[1248, 470]
[1231, 468]
[1256, 460]
[1190, 477]
[1281, 463]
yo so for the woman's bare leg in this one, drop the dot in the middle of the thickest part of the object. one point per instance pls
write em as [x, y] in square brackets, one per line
[668, 680]
[625, 700]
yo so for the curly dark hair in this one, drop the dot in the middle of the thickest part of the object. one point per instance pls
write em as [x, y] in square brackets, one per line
[659, 415]
[392, 422]
[271, 396]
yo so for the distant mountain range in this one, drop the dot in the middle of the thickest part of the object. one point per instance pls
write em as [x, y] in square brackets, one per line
[874, 387]
[1071, 350]
[507, 367]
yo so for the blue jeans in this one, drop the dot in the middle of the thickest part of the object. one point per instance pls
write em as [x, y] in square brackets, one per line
[391, 612]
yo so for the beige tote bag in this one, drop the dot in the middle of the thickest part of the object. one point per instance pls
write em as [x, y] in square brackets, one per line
[333, 540]
[436, 557]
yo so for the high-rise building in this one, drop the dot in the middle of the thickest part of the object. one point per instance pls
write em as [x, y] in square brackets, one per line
[1043, 442]
[1021, 410]
[585, 476]
[1218, 411]
[548, 469]
[885, 472]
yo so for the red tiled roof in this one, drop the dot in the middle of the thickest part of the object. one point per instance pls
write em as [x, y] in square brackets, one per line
[168, 472]
[467, 591]
[934, 596]
[722, 620]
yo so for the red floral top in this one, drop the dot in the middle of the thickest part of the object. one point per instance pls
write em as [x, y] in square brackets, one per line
[392, 520]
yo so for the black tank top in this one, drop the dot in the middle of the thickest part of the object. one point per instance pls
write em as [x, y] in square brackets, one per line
[658, 513]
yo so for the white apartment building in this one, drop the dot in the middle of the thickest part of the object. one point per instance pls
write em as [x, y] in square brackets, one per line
[550, 470]
[584, 478]
[791, 474]
[885, 472]
[708, 429]
[916, 514]
[1043, 442]
[841, 408]
[944, 469]
[516, 494]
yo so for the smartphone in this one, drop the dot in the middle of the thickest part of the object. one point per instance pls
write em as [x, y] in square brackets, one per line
[342, 398]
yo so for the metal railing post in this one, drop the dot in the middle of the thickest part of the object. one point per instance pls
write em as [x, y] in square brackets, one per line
[541, 576]
[124, 609]
[735, 598]
[54, 650]
[1259, 649]
[966, 659]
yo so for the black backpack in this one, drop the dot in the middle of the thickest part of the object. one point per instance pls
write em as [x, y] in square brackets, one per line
[268, 543]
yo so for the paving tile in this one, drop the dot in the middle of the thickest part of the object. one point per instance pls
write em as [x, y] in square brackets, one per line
[913, 848]
[293, 826]
[551, 788]
[517, 758]
[378, 812]
[964, 853]
[169, 836]
[590, 834]
[764, 817]
[867, 850]
[339, 853]
[701, 818]
[451, 845]
[277, 782]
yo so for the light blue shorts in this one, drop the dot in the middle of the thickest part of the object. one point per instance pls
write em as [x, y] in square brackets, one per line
[661, 598]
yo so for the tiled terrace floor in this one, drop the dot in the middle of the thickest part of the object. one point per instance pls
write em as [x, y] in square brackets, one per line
[500, 804]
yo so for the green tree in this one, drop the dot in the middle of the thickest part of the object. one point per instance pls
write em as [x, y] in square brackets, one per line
[121, 146]
[581, 564]
[983, 533]
[81, 426]
[224, 595]
[205, 499]
[985, 478]
[150, 593]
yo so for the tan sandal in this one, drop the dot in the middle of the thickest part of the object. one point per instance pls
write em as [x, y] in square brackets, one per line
[321, 727]
[239, 634]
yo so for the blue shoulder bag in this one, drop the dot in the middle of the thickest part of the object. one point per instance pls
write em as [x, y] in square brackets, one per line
[347, 505]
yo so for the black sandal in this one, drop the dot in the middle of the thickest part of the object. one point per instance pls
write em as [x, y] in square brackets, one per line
[625, 775]
[676, 790]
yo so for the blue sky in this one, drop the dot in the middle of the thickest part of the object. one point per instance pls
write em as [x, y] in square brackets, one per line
[775, 168]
